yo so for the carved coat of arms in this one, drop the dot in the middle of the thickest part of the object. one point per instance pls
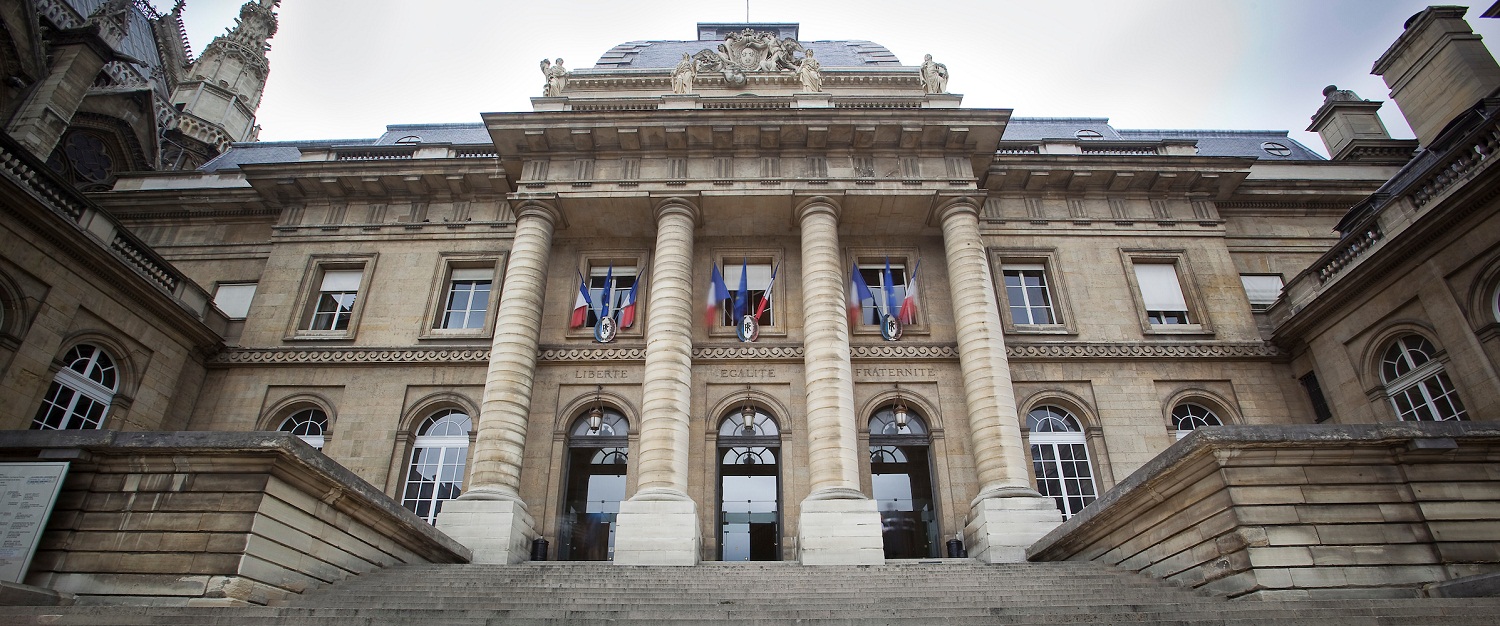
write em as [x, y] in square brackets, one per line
[750, 51]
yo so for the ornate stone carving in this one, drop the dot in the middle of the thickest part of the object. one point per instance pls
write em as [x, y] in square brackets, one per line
[811, 73]
[904, 351]
[749, 352]
[557, 78]
[592, 354]
[934, 76]
[752, 51]
[325, 356]
[683, 75]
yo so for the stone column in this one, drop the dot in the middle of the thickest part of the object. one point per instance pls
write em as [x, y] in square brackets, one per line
[490, 517]
[839, 525]
[659, 524]
[1007, 515]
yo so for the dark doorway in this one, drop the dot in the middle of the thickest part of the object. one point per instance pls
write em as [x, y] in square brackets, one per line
[597, 462]
[901, 481]
[749, 487]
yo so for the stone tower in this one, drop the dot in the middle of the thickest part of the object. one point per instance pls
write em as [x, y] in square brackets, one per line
[217, 99]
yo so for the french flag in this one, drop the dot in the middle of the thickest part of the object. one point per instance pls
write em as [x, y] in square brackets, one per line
[627, 308]
[908, 313]
[765, 297]
[582, 304]
[717, 294]
[859, 291]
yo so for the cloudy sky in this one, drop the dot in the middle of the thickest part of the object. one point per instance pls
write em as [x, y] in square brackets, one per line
[347, 68]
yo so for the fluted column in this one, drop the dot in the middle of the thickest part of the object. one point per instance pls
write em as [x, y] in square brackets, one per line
[1008, 514]
[490, 517]
[659, 524]
[838, 523]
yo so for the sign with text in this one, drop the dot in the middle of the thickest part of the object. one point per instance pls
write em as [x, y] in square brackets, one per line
[28, 491]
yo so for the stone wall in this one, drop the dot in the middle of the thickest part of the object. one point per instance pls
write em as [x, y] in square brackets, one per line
[1373, 510]
[212, 518]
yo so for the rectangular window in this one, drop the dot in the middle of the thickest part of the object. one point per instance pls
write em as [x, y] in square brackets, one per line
[1161, 293]
[757, 278]
[874, 275]
[468, 298]
[335, 300]
[1261, 289]
[1315, 395]
[611, 287]
[1026, 291]
[234, 299]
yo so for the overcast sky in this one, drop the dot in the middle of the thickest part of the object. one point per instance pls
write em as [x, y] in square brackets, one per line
[347, 68]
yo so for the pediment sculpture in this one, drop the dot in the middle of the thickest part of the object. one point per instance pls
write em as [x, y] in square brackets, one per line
[753, 51]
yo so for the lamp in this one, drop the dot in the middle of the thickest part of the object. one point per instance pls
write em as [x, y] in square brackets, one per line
[596, 414]
[747, 418]
[900, 409]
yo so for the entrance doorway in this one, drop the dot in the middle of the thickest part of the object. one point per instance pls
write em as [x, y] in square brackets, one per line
[597, 460]
[749, 487]
[901, 479]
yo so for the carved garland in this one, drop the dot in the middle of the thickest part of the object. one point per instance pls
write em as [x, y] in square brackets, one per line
[1144, 351]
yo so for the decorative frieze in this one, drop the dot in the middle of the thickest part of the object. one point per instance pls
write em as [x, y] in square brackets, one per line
[904, 351]
[1203, 350]
[350, 356]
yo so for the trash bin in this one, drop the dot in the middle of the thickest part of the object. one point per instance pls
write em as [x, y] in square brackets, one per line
[956, 549]
[539, 549]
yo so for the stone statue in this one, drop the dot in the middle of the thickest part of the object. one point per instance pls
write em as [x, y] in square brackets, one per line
[811, 73]
[683, 75]
[557, 78]
[934, 76]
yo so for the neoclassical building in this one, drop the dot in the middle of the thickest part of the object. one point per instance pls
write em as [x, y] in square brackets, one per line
[547, 324]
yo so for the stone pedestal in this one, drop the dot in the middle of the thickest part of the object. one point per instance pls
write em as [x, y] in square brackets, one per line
[495, 531]
[681, 101]
[808, 100]
[840, 532]
[657, 532]
[1000, 529]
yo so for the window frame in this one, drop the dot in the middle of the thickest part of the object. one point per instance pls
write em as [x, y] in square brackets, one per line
[318, 441]
[442, 443]
[437, 304]
[858, 257]
[220, 285]
[1208, 408]
[1416, 380]
[1198, 318]
[755, 256]
[81, 386]
[1056, 289]
[1079, 437]
[602, 259]
[310, 293]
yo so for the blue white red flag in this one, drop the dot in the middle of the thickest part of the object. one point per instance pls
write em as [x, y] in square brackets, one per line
[765, 297]
[627, 308]
[717, 294]
[908, 313]
[859, 291]
[581, 304]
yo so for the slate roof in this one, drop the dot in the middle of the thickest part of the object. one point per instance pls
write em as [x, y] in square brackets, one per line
[268, 152]
[459, 134]
[666, 54]
[1241, 143]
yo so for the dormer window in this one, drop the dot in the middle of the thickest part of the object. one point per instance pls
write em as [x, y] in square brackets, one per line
[1275, 149]
[1087, 134]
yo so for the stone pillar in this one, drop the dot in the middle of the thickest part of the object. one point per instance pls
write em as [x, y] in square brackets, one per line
[839, 525]
[490, 517]
[1008, 515]
[77, 58]
[659, 524]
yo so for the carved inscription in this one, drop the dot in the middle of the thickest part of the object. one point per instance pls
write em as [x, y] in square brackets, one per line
[746, 372]
[598, 374]
[896, 372]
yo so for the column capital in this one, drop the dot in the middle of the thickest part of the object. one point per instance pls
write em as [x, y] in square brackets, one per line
[678, 205]
[818, 204]
[957, 206]
[533, 207]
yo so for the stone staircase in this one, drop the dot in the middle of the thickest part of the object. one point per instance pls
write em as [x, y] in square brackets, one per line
[941, 591]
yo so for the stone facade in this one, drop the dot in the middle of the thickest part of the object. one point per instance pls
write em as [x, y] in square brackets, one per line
[1083, 294]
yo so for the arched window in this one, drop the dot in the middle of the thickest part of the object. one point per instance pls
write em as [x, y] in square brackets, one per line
[1060, 459]
[309, 425]
[1416, 383]
[1187, 417]
[901, 483]
[598, 459]
[436, 471]
[749, 486]
[80, 393]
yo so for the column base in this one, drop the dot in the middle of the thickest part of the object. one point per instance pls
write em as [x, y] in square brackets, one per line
[495, 531]
[657, 532]
[1000, 529]
[840, 532]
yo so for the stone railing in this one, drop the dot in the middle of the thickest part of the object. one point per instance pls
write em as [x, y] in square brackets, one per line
[375, 153]
[68, 205]
[202, 518]
[1267, 512]
[1458, 165]
[1347, 251]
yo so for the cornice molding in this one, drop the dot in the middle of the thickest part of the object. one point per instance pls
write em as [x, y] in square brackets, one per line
[350, 356]
[904, 351]
[1203, 350]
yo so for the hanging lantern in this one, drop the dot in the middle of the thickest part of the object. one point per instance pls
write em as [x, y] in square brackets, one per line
[901, 415]
[596, 414]
[747, 419]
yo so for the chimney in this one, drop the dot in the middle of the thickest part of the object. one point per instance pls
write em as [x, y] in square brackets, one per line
[1437, 69]
[1352, 131]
